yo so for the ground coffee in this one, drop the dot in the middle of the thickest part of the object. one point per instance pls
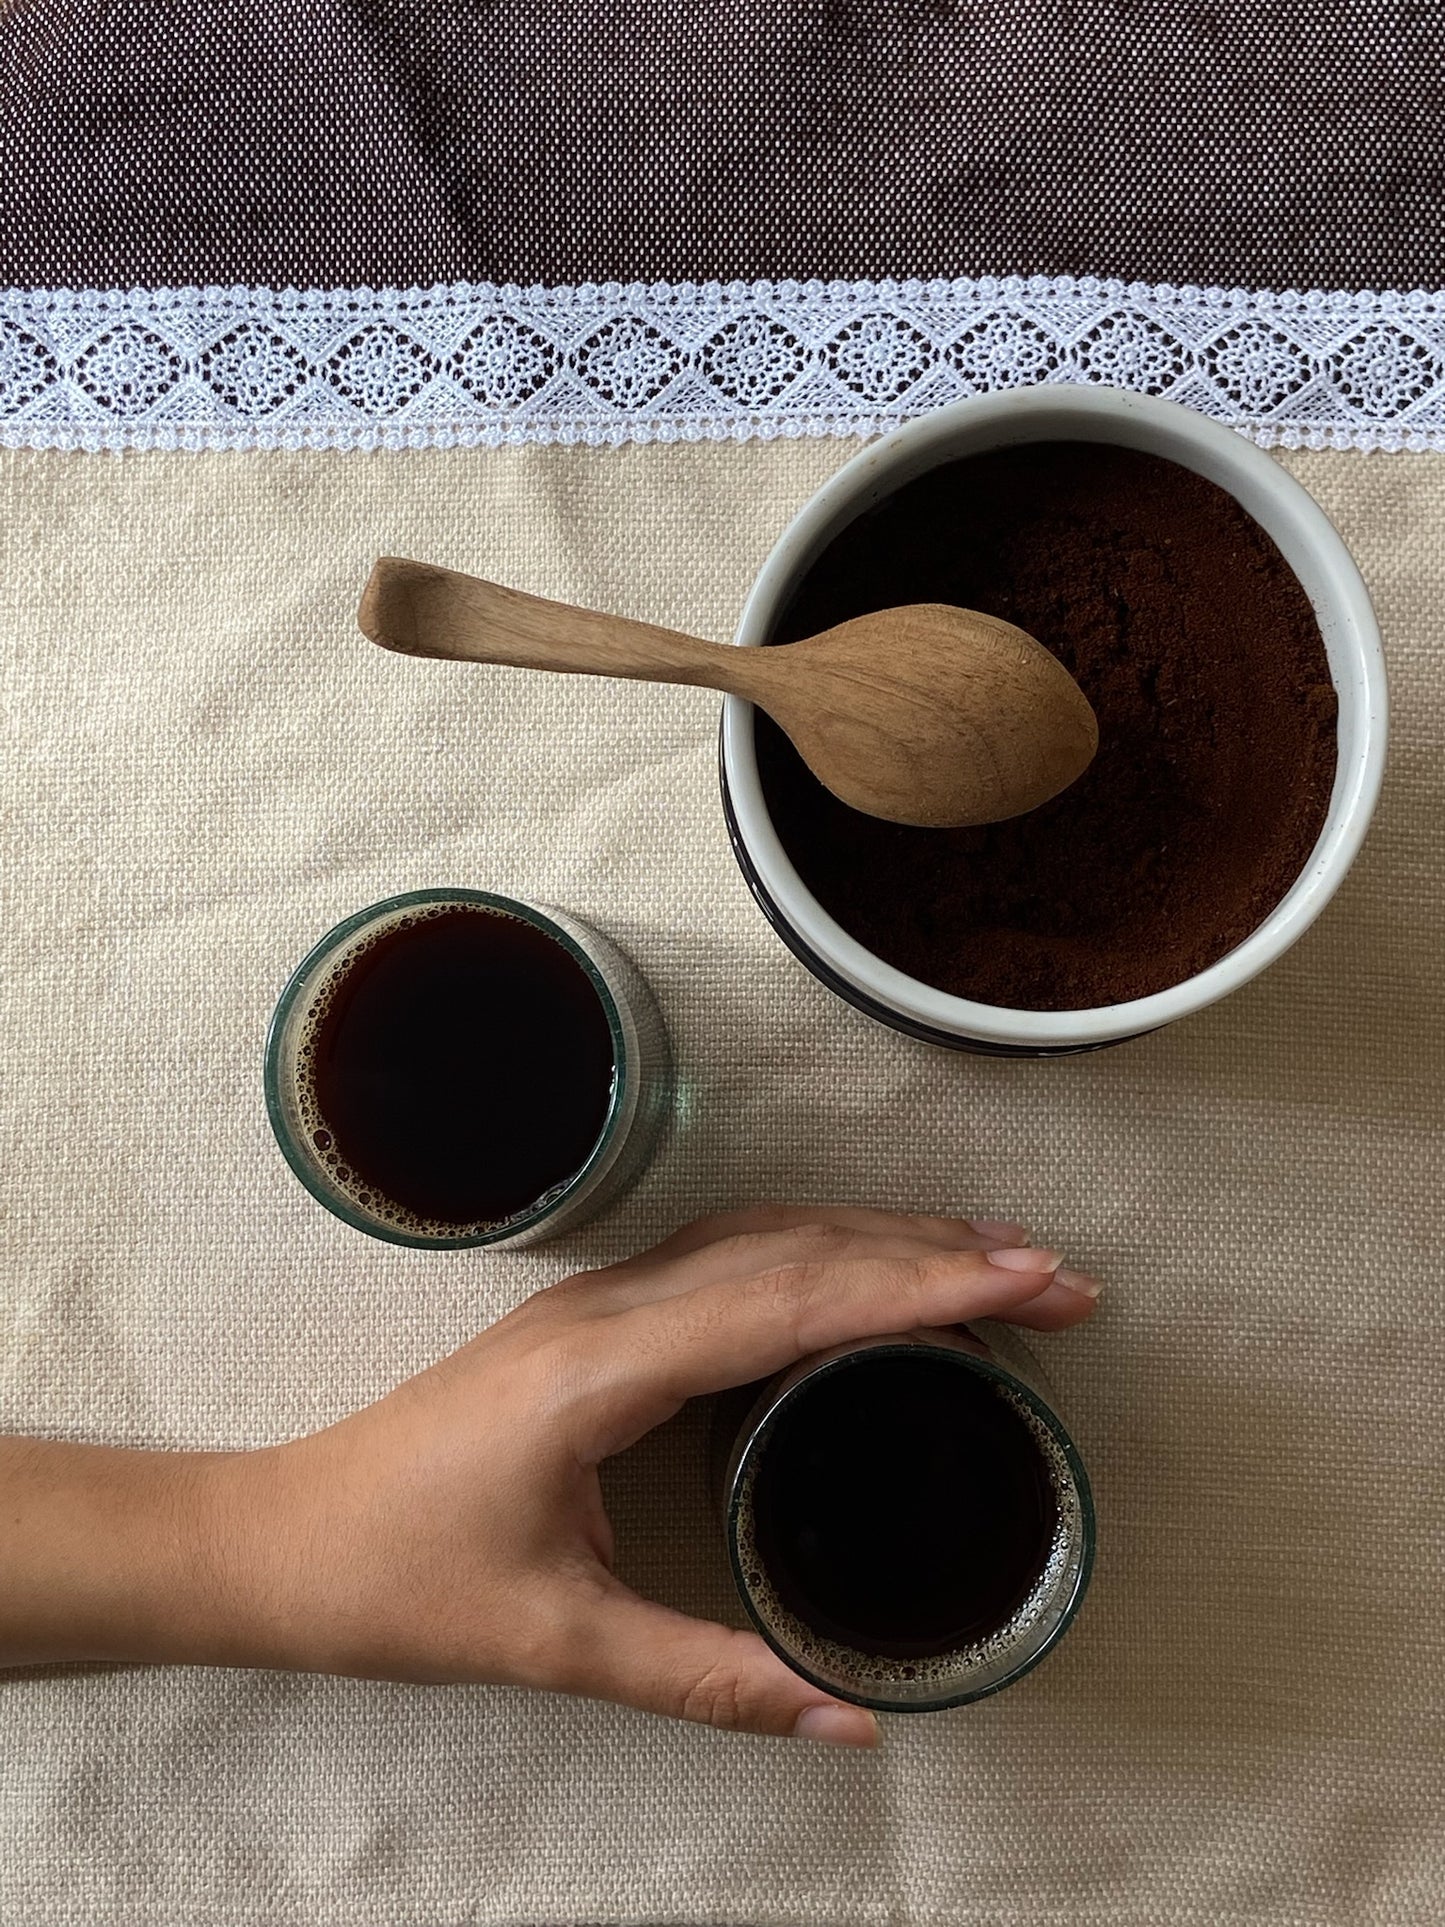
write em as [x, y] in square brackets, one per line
[1200, 652]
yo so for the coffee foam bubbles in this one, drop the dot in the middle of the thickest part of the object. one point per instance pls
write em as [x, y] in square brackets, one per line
[940, 1676]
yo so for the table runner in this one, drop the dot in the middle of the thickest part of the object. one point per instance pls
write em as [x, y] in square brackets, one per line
[323, 223]
[238, 246]
[316, 143]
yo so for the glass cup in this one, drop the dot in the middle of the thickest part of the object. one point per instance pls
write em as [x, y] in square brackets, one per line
[905, 1678]
[637, 1105]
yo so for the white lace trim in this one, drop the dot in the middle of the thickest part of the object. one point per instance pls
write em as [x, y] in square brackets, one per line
[432, 367]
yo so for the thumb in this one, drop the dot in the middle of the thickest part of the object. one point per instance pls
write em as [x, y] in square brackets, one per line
[660, 1661]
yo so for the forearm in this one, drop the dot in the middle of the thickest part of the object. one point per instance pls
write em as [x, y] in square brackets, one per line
[120, 1555]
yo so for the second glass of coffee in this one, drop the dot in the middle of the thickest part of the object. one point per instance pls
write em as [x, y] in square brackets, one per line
[453, 1067]
[907, 1517]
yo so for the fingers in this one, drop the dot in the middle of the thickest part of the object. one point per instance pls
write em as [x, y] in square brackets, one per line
[647, 1656]
[733, 1259]
[1069, 1300]
[645, 1362]
[739, 1244]
[756, 1218]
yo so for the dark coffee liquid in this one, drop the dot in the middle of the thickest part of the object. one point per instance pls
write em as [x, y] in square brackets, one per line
[463, 1067]
[902, 1506]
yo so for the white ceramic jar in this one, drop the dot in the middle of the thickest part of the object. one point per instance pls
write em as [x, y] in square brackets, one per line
[1309, 544]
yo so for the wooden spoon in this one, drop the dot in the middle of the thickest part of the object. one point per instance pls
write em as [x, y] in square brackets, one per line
[926, 714]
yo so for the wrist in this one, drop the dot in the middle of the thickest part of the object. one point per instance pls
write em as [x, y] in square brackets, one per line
[205, 1598]
[108, 1554]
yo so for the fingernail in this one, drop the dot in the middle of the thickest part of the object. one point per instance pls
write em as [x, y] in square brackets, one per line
[1079, 1281]
[837, 1726]
[1026, 1258]
[999, 1228]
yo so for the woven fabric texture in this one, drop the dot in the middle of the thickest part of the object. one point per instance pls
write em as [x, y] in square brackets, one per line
[323, 143]
[205, 767]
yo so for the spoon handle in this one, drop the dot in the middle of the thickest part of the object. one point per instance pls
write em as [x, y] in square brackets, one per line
[421, 610]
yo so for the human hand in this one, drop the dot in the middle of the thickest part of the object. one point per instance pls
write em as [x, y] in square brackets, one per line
[455, 1529]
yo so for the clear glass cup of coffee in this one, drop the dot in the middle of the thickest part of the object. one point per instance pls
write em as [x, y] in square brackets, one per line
[453, 1068]
[909, 1523]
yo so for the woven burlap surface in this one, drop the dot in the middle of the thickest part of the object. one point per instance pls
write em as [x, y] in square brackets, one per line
[206, 767]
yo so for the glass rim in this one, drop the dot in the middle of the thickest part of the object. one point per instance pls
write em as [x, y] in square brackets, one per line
[301, 981]
[878, 1702]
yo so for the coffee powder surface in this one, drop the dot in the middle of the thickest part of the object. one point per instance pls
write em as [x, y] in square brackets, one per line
[1202, 657]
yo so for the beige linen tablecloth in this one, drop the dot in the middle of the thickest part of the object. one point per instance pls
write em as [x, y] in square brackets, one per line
[206, 767]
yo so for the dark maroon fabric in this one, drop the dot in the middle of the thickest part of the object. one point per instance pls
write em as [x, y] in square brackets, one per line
[321, 143]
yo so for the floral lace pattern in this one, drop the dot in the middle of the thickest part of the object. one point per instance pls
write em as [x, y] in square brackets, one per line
[254, 368]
